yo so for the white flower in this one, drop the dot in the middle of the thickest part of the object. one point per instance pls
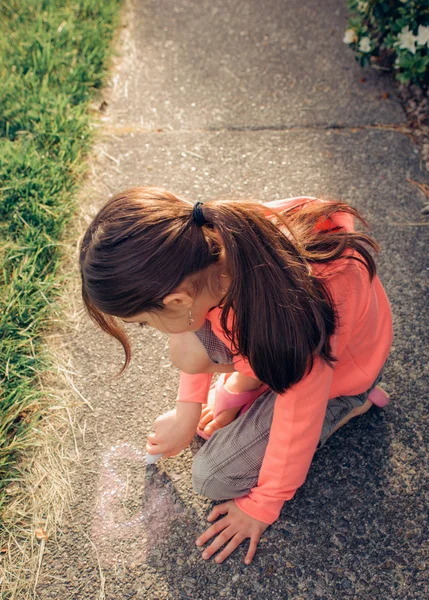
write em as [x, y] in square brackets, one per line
[407, 40]
[362, 6]
[423, 35]
[350, 36]
[365, 45]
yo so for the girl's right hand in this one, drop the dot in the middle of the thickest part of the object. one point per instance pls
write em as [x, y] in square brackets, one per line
[174, 430]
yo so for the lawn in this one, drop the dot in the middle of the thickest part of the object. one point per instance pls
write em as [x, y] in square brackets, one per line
[54, 57]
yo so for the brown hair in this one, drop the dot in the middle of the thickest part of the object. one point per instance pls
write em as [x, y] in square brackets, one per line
[144, 242]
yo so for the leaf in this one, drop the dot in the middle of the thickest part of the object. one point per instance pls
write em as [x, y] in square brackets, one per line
[41, 534]
[403, 78]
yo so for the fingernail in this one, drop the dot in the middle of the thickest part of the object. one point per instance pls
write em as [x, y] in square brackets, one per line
[198, 543]
[205, 555]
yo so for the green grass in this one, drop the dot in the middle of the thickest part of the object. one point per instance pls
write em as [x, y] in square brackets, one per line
[53, 58]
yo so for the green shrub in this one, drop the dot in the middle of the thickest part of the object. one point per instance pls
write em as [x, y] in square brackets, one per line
[395, 32]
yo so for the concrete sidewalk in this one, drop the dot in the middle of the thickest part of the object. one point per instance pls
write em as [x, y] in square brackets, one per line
[262, 100]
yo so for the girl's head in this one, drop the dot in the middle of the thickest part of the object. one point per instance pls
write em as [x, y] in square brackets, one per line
[145, 258]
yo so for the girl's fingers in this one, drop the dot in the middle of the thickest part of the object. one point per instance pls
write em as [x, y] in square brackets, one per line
[152, 438]
[221, 539]
[219, 509]
[252, 550]
[211, 531]
[229, 549]
[154, 448]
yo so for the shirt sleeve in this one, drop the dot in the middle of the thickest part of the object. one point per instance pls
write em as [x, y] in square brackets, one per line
[194, 388]
[294, 435]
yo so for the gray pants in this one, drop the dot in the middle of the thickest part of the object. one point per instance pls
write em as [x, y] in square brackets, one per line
[228, 464]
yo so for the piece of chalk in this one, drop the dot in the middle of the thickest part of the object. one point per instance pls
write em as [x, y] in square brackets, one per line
[151, 459]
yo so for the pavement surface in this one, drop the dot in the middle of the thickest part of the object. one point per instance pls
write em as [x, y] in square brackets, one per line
[261, 100]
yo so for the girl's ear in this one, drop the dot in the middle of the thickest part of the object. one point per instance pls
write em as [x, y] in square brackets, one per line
[178, 300]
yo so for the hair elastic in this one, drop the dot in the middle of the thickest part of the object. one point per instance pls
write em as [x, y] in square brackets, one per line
[197, 214]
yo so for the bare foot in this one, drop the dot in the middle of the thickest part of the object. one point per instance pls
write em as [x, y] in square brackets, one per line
[209, 424]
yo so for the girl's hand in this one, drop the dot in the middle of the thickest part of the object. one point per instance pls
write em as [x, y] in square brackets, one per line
[235, 527]
[174, 430]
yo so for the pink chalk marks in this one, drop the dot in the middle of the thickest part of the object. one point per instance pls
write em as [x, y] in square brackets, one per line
[132, 513]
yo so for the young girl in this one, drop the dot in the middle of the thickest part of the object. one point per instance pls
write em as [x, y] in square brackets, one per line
[282, 298]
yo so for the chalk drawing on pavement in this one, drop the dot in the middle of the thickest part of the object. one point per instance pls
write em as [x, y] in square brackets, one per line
[154, 508]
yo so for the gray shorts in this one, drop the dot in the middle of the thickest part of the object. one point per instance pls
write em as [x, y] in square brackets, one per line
[228, 464]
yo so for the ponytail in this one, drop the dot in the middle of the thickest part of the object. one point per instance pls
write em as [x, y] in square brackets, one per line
[283, 315]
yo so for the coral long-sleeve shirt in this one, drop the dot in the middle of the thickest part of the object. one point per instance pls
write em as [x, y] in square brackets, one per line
[361, 345]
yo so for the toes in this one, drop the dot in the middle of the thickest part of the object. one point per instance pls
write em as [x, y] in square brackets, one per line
[209, 424]
[205, 420]
[213, 426]
[205, 411]
[220, 421]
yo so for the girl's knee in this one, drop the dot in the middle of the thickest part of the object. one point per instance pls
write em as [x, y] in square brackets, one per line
[205, 480]
[213, 481]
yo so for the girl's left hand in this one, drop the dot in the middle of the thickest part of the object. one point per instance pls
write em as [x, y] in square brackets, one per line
[234, 528]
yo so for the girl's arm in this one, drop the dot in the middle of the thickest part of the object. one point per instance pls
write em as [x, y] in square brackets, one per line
[194, 388]
[294, 435]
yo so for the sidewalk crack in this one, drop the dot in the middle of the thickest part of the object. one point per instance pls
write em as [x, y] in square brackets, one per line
[130, 128]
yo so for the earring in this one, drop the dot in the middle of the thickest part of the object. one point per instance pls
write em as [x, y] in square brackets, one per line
[190, 319]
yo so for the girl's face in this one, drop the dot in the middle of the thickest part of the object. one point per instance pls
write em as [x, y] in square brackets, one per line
[183, 312]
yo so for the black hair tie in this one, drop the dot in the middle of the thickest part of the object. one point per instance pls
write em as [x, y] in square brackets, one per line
[197, 214]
